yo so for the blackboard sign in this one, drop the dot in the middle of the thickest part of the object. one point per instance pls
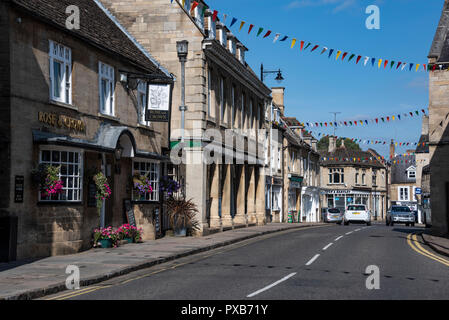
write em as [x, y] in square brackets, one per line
[129, 211]
[18, 189]
[157, 221]
[92, 192]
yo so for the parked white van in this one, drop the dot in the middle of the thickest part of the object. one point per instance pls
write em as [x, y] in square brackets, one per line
[357, 213]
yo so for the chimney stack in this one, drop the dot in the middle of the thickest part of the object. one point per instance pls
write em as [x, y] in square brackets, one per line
[343, 143]
[332, 144]
[278, 97]
[392, 149]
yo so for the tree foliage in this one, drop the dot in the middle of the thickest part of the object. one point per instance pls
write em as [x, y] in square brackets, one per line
[323, 144]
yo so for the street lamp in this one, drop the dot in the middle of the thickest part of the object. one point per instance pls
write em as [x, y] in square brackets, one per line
[279, 78]
[182, 48]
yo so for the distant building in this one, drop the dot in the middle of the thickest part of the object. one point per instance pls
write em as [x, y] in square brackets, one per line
[353, 177]
[438, 125]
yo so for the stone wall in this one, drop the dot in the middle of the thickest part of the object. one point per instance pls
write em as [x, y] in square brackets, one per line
[439, 149]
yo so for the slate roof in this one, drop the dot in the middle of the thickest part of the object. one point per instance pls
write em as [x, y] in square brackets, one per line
[399, 169]
[97, 26]
[342, 156]
[440, 44]
[423, 148]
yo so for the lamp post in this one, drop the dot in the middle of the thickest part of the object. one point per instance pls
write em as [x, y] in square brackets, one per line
[182, 48]
[279, 78]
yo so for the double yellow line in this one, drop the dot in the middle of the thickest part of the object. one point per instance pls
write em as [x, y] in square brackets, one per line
[75, 293]
[413, 242]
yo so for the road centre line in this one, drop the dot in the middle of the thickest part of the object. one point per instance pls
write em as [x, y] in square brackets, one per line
[271, 285]
[357, 229]
[347, 233]
[339, 238]
[328, 246]
[312, 260]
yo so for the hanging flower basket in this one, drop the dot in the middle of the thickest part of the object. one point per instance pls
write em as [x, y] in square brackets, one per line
[103, 189]
[47, 176]
[169, 186]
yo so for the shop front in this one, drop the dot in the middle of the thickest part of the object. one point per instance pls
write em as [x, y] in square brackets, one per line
[342, 198]
[310, 200]
[294, 192]
[276, 197]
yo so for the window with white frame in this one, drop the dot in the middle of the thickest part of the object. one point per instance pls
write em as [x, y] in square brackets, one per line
[151, 170]
[107, 88]
[403, 193]
[251, 122]
[336, 176]
[414, 194]
[142, 97]
[363, 178]
[356, 178]
[411, 173]
[60, 73]
[223, 37]
[70, 173]
[265, 147]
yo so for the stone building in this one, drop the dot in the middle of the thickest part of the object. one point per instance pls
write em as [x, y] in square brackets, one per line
[222, 94]
[353, 177]
[403, 179]
[438, 125]
[63, 105]
[294, 167]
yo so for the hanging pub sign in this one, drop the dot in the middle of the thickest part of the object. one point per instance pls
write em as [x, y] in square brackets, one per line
[158, 103]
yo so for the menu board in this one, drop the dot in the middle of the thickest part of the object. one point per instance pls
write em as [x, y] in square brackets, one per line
[91, 193]
[129, 211]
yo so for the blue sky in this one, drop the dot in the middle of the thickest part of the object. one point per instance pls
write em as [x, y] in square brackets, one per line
[316, 85]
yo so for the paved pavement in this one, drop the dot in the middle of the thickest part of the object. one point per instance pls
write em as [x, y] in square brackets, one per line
[327, 262]
[33, 279]
[438, 244]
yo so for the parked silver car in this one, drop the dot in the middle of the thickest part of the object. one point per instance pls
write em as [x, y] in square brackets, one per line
[332, 215]
[400, 214]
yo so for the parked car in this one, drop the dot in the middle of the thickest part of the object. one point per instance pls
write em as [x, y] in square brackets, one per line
[332, 215]
[357, 213]
[400, 214]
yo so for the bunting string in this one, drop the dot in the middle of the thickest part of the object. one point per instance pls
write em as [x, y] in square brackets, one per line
[382, 63]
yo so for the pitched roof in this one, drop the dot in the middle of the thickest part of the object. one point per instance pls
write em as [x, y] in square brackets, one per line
[423, 148]
[399, 169]
[97, 26]
[440, 44]
[345, 156]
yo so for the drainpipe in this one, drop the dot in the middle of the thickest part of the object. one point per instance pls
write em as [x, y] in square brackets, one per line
[103, 209]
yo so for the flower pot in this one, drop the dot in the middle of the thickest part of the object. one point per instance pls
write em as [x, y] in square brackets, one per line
[130, 240]
[106, 243]
[180, 232]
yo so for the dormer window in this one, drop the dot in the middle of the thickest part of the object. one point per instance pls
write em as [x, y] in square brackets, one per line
[223, 37]
[211, 25]
[241, 53]
[199, 18]
[411, 172]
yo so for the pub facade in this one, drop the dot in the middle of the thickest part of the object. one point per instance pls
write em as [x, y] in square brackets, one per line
[75, 99]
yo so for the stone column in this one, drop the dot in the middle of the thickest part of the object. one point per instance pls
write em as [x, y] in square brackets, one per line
[260, 197]
[196, 177]
[226, 196]
[251, 198]
[240, 217]
[215, 220]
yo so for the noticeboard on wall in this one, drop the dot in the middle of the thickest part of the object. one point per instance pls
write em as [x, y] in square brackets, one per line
[129, 212]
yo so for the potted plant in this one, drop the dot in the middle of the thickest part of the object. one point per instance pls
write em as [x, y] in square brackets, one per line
[106, 237]
[182, 215]
[103, 189]
[47, 176]
[130, 233]
[142, 185]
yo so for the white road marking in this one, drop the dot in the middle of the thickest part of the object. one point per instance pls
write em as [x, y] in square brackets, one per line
[357, 229]
[349, 232]
[328, 246]
[312, 260]
[338, 238]
[271, 285]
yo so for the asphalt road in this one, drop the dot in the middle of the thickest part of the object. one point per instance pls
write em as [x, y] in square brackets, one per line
[314, 263]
